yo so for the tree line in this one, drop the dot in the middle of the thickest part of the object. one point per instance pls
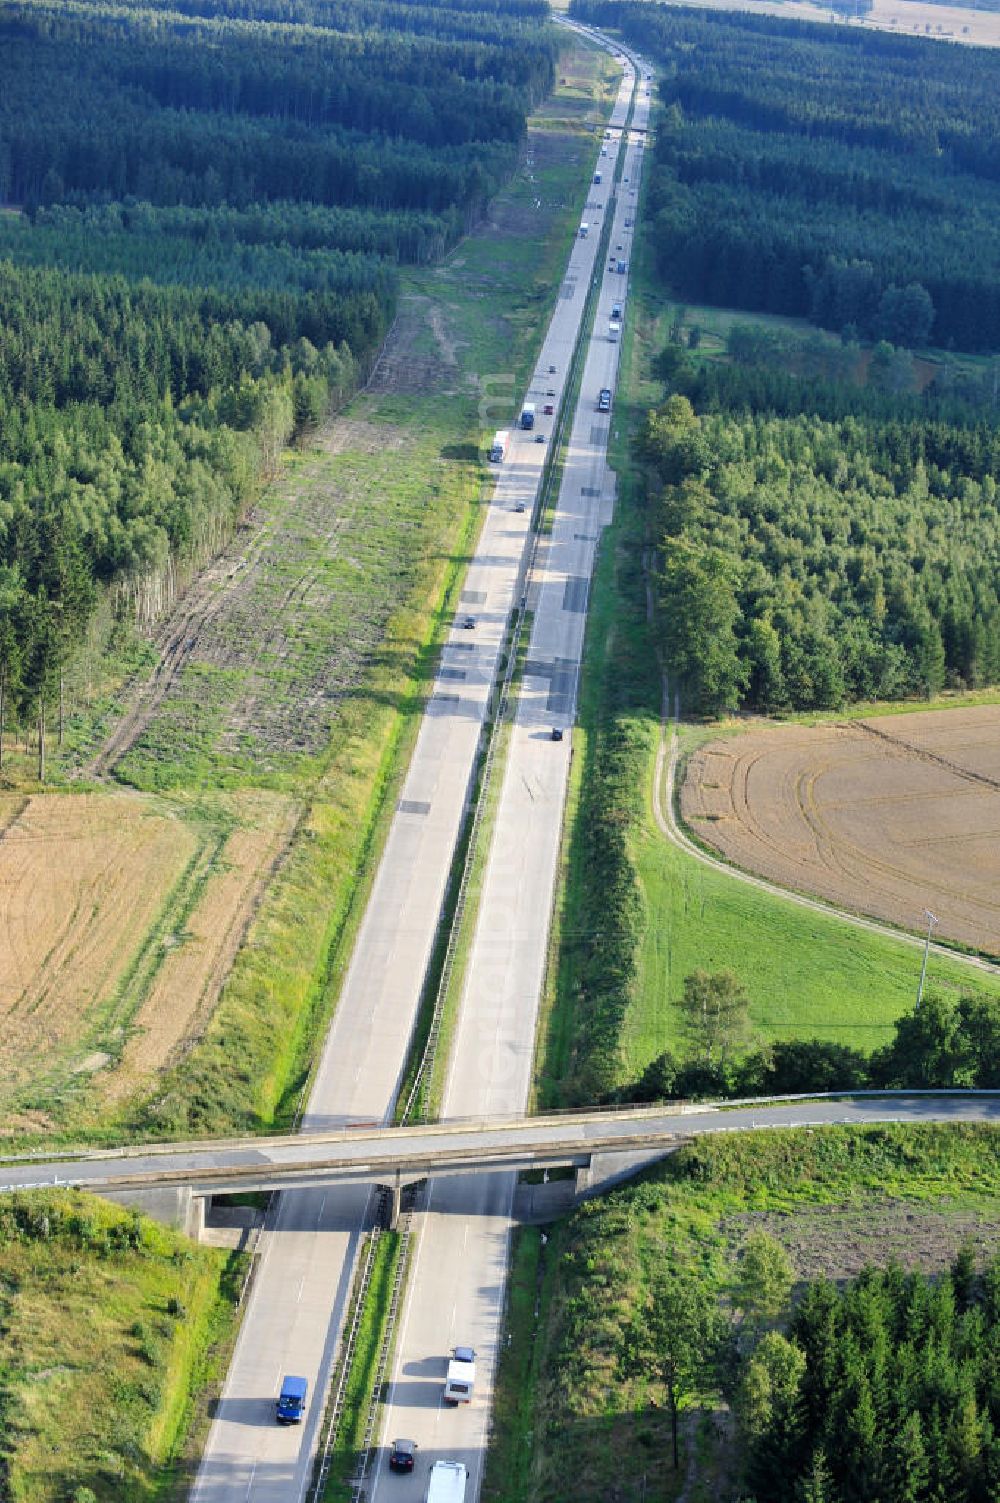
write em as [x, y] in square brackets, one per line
[850, 178]
[886, 1389]
[940, 1045]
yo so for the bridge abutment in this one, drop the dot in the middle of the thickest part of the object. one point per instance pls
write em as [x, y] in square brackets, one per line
[175, 1206]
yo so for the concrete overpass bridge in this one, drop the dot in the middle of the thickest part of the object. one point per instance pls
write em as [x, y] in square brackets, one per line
[172, 1180]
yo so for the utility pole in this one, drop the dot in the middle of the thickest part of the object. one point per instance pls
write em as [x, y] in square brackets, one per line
[931, 921]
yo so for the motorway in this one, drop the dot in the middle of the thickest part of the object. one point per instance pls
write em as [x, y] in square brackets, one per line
[297, 1305]
[455, 1294]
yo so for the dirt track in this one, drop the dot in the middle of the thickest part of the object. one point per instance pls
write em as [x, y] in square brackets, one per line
[887, 817]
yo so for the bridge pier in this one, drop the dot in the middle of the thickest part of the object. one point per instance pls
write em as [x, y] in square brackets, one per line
[394, 1192]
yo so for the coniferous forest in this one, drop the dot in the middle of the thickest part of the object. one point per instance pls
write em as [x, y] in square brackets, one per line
[828, 524]
[885, 1389]
[201, 211]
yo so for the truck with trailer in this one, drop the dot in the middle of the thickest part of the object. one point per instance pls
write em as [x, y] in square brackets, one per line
[498, 448]
[447, 1482]
[528, 415]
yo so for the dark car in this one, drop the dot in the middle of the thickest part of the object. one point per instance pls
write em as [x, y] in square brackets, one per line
[552, 370]
[519, 506]
[556, 733]
[548, 409]
[468, 623]
[403, 1455]
[539, 438]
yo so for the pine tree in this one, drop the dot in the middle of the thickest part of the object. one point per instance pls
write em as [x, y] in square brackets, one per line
[908, 1468]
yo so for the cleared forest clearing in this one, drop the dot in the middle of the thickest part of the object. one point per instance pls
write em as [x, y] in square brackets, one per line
[889, 817]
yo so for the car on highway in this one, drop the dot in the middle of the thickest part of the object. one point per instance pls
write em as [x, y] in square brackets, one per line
[402, 1457]
[556, 734]
[291, 1403]
[467, 623]
[519, 506]
[604, 400]
[539, 438]
[548, 409]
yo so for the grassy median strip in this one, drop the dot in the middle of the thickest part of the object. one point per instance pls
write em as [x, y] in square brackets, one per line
[372, 1319]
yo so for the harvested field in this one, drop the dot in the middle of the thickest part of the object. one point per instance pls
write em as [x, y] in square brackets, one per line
[889, 816]
[938, 22]
[119, 919]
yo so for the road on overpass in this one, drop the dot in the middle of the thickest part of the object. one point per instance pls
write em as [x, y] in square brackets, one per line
[458, 1146]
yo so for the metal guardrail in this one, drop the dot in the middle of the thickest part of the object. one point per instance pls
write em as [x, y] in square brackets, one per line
[360, 1477]
[349, 1341]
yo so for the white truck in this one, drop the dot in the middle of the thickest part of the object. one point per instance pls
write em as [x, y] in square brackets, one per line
[498, 448]
[614, 329]
[460, 1379]
[584, 230]
[447, 1482]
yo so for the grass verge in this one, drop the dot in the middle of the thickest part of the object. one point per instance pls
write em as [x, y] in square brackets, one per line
[110, 1413]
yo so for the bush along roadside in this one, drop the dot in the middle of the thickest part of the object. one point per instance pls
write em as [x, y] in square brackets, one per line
[602, 914]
